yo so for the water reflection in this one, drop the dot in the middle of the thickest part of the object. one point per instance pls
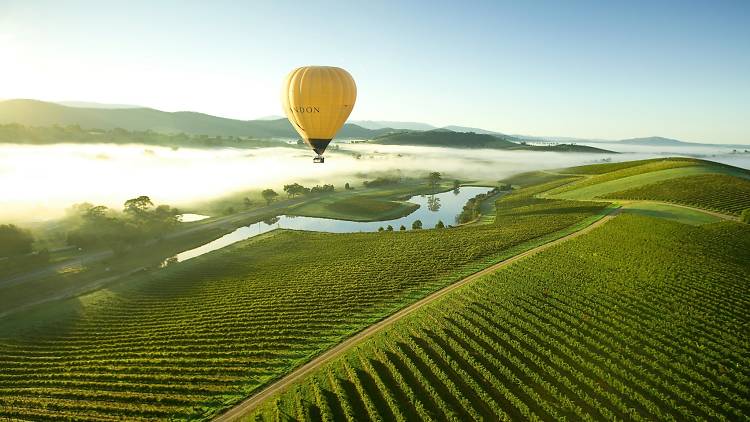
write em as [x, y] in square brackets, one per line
[432, 208]
[433, 203]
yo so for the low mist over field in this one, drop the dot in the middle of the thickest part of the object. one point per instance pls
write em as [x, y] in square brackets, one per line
[40, 182]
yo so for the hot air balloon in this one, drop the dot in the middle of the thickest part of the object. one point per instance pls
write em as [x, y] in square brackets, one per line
[318, 100]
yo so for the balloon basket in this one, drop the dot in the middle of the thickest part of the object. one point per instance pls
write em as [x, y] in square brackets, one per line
[319, 159]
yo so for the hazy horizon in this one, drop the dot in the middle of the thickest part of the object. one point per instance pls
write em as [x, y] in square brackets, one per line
[582, 69]
[89, 104]
[38, 178]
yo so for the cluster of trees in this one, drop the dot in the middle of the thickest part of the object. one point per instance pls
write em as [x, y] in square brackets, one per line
[14, 240]
[140, 219]
[296, 189]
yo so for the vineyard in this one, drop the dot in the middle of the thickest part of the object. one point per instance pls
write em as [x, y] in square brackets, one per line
[641, 319]
[717, 192]
[592, 169]
[199, 336]
[622, 170]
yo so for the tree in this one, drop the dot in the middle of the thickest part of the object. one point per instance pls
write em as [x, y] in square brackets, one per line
[380, 229]
[295, 189]
[14, 240]
[139, 206]
[248, 203]
[440, 225]
[163, 218]
[269, 195]
[745, 217]
[434, 178]
[402, 228]
[95, 213]
[346, 186]
[389, 228]
[416, 225]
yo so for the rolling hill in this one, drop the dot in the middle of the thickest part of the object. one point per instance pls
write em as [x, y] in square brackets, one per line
[449, 138]
[629, 315]
[40, 113]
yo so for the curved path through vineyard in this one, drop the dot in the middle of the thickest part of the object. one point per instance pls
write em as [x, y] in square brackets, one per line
[253, 401]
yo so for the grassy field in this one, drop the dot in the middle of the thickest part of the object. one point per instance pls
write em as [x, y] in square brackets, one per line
[717, 192]
[368, 204]
[641, 319]
[355, 208]
[651, 172]
[670, 212]
[196, 337]
[593, 169]
[533, 178]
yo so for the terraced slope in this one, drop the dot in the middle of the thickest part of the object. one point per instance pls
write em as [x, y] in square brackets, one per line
[607, 172]
[204, 334]
[641, 319]
[717, 192]
[615, 177]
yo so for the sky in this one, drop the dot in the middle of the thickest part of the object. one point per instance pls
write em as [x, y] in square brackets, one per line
[590, 69]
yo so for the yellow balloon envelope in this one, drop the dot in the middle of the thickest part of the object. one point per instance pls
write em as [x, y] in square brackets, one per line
[318, 100]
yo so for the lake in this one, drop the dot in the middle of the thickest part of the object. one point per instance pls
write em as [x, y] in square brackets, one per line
[445, 207]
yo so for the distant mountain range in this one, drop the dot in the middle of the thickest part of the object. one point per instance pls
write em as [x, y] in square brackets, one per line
[40, 113]
[87, 104]
[386, 124]
[90, 115]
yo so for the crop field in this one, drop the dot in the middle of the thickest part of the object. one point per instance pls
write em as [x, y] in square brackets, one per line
[670, 212]
[199, 336]
[592, 169]
[533, 178]
[717, 192]
[648, 166]
[641, 319]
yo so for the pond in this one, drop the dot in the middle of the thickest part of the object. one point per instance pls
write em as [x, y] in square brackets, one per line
[445, 207]
[189, 218]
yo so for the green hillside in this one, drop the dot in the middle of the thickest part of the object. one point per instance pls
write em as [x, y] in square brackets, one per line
[718, 192]
[631, 321]
[39, 113]
[196, 337]
[450, 139]
[603, 179]
[446, 138]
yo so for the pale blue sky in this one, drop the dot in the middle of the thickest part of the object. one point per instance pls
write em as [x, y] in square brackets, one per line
[599, 69]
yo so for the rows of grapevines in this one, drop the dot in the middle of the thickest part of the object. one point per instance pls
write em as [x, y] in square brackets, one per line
[718, 192]
[201, 335]
[610, 167]
[646, 167]
[641, 319]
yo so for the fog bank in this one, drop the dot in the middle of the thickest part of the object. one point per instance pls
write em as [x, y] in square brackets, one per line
[39, 182]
